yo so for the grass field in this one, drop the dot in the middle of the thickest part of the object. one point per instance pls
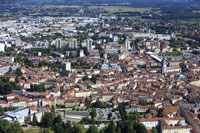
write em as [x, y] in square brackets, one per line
[113, 9]
[32, 131]
[192, 21]
[38, 130]
[62, 6]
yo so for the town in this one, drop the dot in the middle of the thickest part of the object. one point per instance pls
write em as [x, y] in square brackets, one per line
[97, 74]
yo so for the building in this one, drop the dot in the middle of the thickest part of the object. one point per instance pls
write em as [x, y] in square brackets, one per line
[172, 69]
[127, 44]
[58, 43]
[74, 43]
[190, 113]
[68, 66]
[2, 47]
[167, 125]
[89, 44]
[163, 66]
[82, 53]
[137, 108]
[40, 44]
[115, 38]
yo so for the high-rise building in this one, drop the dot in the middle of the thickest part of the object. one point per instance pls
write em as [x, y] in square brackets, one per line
[68, 66]
[74, 43]
[59, 43]
[127, 44]
[89, 44]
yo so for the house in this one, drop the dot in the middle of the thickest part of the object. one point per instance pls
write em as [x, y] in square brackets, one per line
[137, 108]
[172, 125]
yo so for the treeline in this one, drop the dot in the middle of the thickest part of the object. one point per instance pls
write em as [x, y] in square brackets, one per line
[2, 110]
[14, 127]
[7, 87]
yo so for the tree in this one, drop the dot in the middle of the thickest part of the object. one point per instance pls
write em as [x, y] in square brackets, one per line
[58, 128]
[1, 111]
[122, 111]
[92, 129]
[47, 119]
[93, 113]
[10, 70]
[68, 127]
[57, 119]
[140, 128]
[110, 115]
[34, 121]
[111, 128]
[78, 128]
[154, 130]
[46, 130]
[4, 126]
[26, 123]
[85, 78]
[15, 128]
[53, 109]
[98, 104]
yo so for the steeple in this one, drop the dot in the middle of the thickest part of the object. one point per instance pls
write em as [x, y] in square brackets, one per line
[163, 65]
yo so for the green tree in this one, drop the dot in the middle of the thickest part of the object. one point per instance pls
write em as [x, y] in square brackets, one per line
[26, 123]
[4, 126]
[15, 127]
[1, 111]
[92, 129]
[85, 78]
[68, 127]
[47, 119]
[122, 111]
[58, 119]
[154, 130]
[110, 115]
[140, 128]
[34, 121]
[58, 128]
[111, 128]
[93, 113]
[78, 128]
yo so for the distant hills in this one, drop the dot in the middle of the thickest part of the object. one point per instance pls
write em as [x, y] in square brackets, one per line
[88, 2]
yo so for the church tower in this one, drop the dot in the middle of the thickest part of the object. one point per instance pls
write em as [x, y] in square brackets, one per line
[164, 65]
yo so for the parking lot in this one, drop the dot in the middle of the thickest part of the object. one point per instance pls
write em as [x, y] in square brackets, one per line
[103, 115]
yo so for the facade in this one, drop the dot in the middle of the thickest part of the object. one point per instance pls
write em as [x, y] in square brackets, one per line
[127, 44]
[74, 43]
[2, 47]
[58, 43]
[89, 44]
[68, 66]
[82, 53]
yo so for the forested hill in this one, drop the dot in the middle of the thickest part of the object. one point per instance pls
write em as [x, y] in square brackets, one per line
[89, 2]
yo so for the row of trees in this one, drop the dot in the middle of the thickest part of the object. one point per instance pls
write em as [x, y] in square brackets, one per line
[37, 88]
[6, 127]
[2, 110]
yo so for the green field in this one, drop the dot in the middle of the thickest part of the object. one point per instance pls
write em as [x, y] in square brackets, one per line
[32, 131]
[61, 6]
[192, 21]
[38, 130]
[113, 9]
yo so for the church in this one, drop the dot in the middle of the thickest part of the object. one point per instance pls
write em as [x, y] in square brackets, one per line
[169, 69]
